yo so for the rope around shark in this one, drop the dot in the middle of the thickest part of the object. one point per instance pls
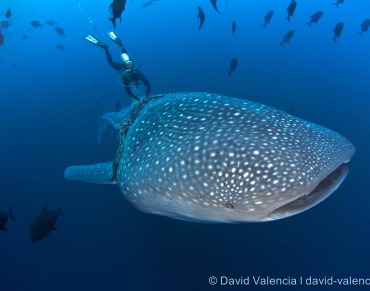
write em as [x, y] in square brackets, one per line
[125, 128]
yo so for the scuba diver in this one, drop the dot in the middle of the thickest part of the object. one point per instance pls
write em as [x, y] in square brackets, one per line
[129, 75]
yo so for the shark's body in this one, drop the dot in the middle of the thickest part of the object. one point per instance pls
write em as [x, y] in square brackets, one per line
[211, 158]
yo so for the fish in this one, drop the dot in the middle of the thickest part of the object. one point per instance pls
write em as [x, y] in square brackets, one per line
[338, 30]
[291, 8]
[148, 3]
[117, 7]
[364, 26]
[50, 22]
[60, 47]
[315, 17]
[43, 224]
[206, 157]
[338, 2]
[4, 24]
[60, 31]
[36, 24]
[233, 27]
[1, 38]
[233, 65]
[214, 4]
[268, 17]
[287, 37]
[201, 17]
[8, 13]
[4, 218]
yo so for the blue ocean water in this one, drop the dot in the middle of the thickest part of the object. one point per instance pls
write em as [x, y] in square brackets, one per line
[48, 121]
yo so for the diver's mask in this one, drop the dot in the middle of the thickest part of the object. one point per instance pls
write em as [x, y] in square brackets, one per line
[129, 65]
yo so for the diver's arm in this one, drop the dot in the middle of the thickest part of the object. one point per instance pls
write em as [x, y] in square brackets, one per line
[114, 65]
[126, 85]
[146, 83]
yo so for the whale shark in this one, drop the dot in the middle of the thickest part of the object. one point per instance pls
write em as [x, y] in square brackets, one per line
[205, 157]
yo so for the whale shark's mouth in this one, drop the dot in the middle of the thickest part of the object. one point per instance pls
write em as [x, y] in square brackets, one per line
[323, 190]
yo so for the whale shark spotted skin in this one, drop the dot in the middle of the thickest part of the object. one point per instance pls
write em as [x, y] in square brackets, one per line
[211, 158]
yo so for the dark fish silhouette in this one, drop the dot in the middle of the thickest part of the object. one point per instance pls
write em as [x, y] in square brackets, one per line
[214, 4]
[201, 17]
[4, 24]
[148, 3]
[60, 31]
[338, 30]
[365, 26]
[233, 27]
[291, 8]
[8, 13]
[117, 7]
[43, 224]
[315, 17]
[233, 65]
[287, 37]
[50, 22]
[338, 2]
[4, 218]
[268, 17]
[36, 24]
[24, 36]
[1, 38]
[60, 47]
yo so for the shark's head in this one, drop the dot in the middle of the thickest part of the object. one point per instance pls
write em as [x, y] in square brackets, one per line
[210, 158]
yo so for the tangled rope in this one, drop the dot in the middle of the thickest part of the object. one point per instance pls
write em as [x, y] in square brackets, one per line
[125, 128]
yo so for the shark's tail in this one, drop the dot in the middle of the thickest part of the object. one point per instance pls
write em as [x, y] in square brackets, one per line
[309, 24]
[360, 33]
[10, 213]
[60, 211]
[264, 24]
[336, 5]
[98, 174]
[102, 124]
[288, 19]
[335, 39]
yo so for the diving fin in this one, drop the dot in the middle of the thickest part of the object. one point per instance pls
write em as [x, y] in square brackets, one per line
[112, 36]
[95, 41]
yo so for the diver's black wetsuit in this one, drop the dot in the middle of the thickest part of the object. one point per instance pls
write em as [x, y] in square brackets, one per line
[128, 76]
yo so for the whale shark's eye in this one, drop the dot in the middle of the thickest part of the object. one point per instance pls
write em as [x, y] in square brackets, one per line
[229, 206]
